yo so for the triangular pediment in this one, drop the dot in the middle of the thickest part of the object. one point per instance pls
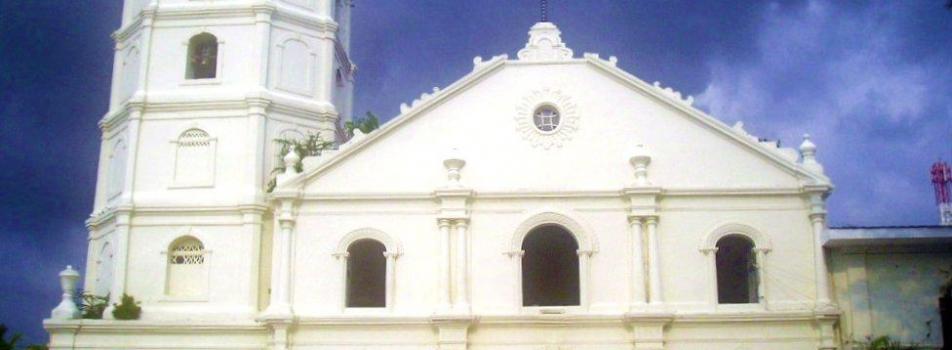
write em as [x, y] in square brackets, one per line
[605, 113]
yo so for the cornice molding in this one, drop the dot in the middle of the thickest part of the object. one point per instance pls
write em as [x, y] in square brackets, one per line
[180, 102]
[108, 214]
[130, 30]
[407, 115]
[620, 193]
[176, 326]
[707, 120]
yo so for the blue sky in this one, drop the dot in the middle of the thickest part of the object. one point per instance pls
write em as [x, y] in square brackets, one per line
[870, 80]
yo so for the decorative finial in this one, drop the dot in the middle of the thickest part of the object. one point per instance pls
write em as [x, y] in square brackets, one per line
[544, 5]
[453, 163]
[67, 309]
[808, 155]
[290, 161]
[640, 160]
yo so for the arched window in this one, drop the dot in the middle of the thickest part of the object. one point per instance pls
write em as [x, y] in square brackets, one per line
[202, 57]
[188, 271]
[366, 274]
[737, 277]
[194, 159]
[550, 267]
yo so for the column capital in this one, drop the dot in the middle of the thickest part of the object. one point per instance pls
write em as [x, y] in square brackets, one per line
[461, 222]
[264, 10]
[634, 219]
[257, 105]
[444, 222]
[285, 212]
[650, 219]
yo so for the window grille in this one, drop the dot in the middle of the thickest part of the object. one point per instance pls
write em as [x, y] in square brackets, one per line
[188, 252]
[546, 118]
[193, 138]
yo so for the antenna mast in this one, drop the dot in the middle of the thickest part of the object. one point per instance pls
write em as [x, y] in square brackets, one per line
[544, 7]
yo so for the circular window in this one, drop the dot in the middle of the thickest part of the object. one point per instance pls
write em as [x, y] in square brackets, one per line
[546, 118]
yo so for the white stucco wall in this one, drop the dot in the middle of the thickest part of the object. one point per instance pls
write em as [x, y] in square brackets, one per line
[276, 76]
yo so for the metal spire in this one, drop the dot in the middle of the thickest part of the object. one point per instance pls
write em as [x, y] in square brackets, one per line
[544, 5]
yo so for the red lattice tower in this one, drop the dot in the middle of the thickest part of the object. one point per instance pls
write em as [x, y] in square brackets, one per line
[942, 182]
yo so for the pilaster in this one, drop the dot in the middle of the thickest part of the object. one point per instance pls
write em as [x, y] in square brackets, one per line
[655, 295]
[637, 291]
[826, 325]
[453, 223]
[251, 221]
[648, 330]
[643, 212]
[816, 196]
[257, 137]
[121, 256]
[279, 310]
[453, 332]
[461, 270]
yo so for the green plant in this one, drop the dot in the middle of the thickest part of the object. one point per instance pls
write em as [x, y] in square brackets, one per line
[311, 145]
[883, 343]
[11, 344]
[127, 309]
[7, 344]
[366, 124]
[93, 305]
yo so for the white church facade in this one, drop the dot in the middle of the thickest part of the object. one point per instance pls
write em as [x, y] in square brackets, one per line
[547, 200]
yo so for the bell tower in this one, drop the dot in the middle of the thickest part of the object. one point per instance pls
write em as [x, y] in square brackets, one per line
[200, 91]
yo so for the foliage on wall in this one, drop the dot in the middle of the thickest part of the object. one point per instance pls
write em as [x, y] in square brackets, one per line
[311, 145]
[93, 305]
[366, 124]
[127, 309]
[882, 343]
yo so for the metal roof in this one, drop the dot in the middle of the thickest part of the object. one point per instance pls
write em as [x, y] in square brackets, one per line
[857, 236]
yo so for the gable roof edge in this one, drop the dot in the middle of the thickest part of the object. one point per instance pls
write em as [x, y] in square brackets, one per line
[705, 119]
[480, 72]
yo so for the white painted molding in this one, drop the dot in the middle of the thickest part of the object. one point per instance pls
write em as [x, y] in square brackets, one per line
[761, 240]
[587, 241]
[393, 245]
[568, 118]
